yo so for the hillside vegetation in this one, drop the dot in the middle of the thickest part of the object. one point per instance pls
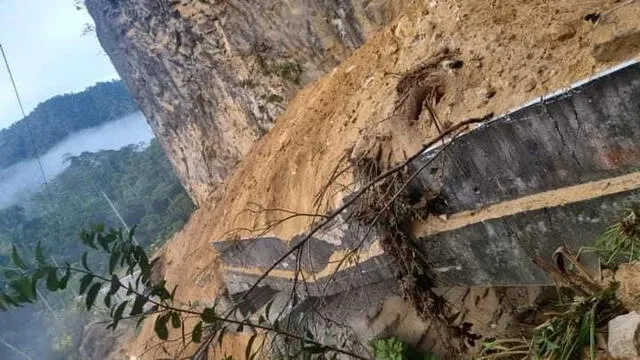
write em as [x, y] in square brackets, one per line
[57, 117]
[141, 185]
[139, 182]
[137, 179]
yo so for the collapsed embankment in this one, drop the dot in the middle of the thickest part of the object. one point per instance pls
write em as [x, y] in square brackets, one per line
[439, 64]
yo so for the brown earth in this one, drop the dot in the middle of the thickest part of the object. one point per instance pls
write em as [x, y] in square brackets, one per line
[512, 51]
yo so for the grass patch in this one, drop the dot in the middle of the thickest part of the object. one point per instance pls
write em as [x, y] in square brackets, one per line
[569, 334]
[621, 242]
[288, 70]
[395, 349]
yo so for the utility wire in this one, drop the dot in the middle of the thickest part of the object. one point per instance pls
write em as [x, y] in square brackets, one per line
[5, 343]
[115, 210]
[26, 122]
[37, 153]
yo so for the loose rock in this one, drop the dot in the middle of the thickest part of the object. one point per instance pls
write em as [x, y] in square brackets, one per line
[623, 335]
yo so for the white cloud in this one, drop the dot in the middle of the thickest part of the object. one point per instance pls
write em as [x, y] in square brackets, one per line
[48, 54]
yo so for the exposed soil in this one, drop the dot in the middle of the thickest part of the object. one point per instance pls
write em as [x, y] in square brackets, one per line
[444, 60]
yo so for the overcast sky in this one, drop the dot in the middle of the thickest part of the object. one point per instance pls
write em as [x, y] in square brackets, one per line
[48, 54]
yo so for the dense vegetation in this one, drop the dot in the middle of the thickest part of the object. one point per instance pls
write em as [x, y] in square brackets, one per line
[137, 180]
[140, 183]
[62, 115]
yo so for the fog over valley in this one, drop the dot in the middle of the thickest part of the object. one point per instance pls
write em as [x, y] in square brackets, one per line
[19, 181]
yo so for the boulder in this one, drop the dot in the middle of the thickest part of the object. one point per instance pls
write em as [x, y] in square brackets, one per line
[623, 336]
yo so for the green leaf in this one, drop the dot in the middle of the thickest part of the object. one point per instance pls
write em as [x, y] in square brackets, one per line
[107, 300]
[117, 316]
[115, 285]
[113, 260]
[105, 240]
[52, 280]
[98, 228]
[11, 274]
[138, 305]
[8, 299]
[92, 294]
[160, 327]
[247, 353]
[160, 291]
[85, 282]
[267, 309]
[88, 238]
[196, 335]
[24, 289]
[84, 261]
[140, 321]
[62, 284]
[40, 273]
[221, 336]
[132, 232]
[39, 255]
[17, 261]
[143, 260]
[173, 293]
[34, 288]
[138, 279]
[184, 338]
[209, 315]
[175, 320]
[125, 256]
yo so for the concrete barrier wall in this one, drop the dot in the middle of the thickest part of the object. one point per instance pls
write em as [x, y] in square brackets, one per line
[553, 173]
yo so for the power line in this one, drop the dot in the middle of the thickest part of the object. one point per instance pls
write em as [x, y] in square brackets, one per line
[15, 349]
[115, 210]
[26, 123]
[47, 190]
[40, 166]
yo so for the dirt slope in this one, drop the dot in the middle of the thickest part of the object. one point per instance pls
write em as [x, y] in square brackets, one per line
[511, 51]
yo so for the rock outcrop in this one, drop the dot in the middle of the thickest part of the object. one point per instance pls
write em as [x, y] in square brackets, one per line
[211, 76]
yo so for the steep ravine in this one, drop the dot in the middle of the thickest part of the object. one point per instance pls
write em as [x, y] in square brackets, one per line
[211, 76]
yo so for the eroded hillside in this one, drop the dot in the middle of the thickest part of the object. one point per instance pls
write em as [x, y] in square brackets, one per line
[436, 65]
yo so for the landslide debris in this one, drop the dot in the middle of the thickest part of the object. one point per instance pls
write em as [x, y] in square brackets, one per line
[439, 64]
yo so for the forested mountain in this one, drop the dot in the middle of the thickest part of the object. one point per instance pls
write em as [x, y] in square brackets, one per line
[138, 181]
[141, 185]
[55, 118]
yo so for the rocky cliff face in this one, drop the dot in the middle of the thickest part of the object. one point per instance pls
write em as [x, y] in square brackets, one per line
[211, 76]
